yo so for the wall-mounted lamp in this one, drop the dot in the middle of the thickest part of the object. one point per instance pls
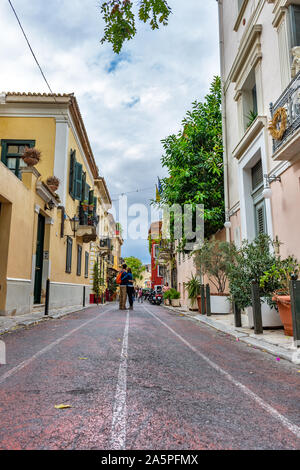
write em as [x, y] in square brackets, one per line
[49, 206]
[74, 225]
[227, 224]
[267, 192]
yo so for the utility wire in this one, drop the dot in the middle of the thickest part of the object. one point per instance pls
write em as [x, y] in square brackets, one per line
[131, 192]
[34, 56]
[29, 45]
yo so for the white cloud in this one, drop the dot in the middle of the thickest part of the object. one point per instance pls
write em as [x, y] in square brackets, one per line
[128, 102]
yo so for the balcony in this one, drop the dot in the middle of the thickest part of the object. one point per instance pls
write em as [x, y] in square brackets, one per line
[87, 226]
[288, 148]
[105, 245]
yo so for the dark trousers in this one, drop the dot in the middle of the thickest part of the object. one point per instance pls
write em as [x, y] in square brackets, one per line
[130, 295]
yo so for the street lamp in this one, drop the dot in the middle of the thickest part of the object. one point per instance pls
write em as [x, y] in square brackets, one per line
[267, 192]
[227, 224]
[74, 224]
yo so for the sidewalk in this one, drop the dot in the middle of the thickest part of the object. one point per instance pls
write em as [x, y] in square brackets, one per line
[272, 341]
[37, 316]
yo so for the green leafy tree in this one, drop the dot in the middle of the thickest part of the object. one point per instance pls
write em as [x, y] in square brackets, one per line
[136, 266]
[120, 19]
[194, 159]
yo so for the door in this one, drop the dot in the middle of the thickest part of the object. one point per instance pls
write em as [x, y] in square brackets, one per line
[39, 260]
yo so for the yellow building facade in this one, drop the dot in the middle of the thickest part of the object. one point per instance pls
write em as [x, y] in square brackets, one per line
[45, 234]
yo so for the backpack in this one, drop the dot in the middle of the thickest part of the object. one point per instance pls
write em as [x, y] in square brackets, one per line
[119, 278]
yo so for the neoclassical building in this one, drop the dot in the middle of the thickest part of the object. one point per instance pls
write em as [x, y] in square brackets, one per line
[260, 54]
[46, 233]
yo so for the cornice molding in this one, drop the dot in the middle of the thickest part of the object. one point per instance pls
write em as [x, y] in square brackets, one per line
[250, 41]
[250, 134]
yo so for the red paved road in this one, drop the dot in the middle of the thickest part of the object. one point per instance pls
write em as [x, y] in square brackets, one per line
[150, 379]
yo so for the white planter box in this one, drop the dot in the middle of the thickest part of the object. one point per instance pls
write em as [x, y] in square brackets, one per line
[175, 302]
[220, 304]
[270, 317]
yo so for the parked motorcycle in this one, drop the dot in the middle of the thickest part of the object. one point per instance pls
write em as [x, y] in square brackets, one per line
[155, 298]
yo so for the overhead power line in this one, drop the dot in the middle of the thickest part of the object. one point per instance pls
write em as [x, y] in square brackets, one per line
[34, 55]
[29, 45]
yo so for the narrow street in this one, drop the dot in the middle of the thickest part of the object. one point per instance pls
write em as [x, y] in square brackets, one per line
[144, 379]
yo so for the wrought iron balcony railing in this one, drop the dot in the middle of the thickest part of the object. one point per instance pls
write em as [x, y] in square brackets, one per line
[290, 100]
[87, 218]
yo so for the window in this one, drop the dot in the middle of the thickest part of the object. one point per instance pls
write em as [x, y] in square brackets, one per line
[86, 269]
[294, 11]
[12, 151]
[69, 255]
[240, 4]
[249, 101]
[156, 251]
[257, 175]
[260, 218]
[160, 271]
[76, 177]
[79, 259]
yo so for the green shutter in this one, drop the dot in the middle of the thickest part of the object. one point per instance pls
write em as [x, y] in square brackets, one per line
[83, 186]
[78, 181]
[72, 174]
[87, 192]
[91, 197]
[95, 207]
[260, 216]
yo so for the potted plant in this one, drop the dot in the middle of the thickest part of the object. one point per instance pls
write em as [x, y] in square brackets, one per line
[31, 156]
[174, 297]
[250, 263]
[53, 183]
[215, 258]
[276, 283]
[91, 207]
[193, 287]
[166, 297]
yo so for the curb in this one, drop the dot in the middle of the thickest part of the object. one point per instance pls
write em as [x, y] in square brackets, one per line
[256, 342]
[27, 323]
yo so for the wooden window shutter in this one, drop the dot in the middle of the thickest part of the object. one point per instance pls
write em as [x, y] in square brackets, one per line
[95, 207]
[83, 186]
[260, 216]
[69, 255]
[78, 183]
[87, 192]
[79, 259]
[72, 174]
[257, 175]
[91, 197]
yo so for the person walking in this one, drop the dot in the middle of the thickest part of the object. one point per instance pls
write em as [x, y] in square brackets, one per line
[140, 295]
[123, 278]
[130, 288]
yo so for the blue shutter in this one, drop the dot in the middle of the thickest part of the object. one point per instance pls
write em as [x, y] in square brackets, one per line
[72, 174]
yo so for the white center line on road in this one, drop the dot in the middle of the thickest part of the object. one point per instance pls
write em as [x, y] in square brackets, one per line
[119, 420]
[274, 413]
[28, 361]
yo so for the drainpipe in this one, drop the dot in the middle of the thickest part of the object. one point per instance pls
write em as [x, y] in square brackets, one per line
[225, 156]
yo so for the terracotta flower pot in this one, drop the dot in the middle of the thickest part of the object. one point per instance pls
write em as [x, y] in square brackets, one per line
[285, 312]
[30, 161]
[53, 187]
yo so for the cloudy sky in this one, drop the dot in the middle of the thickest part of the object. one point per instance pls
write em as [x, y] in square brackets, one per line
[129, 102]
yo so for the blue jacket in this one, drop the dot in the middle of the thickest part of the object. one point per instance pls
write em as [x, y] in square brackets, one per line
[126, 277]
